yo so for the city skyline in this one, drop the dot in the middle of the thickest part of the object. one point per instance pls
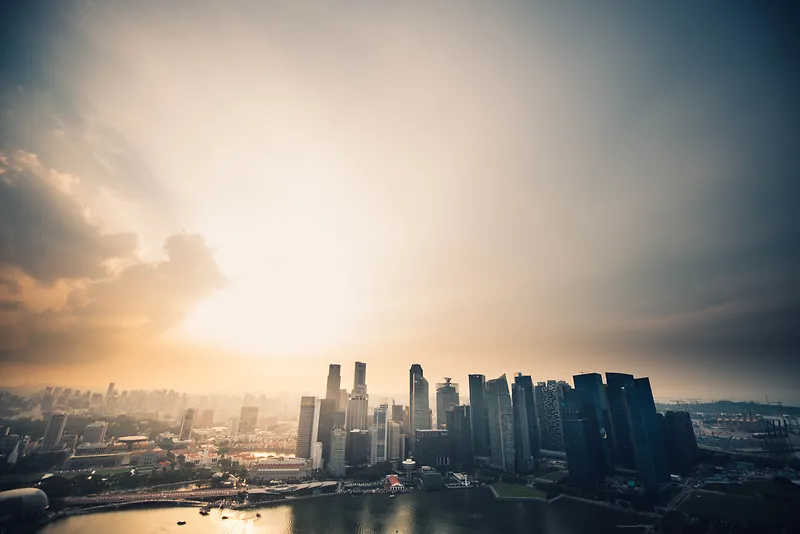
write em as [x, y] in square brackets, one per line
[494, 188]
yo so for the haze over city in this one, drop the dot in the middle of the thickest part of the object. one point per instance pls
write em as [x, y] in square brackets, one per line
[230, 197]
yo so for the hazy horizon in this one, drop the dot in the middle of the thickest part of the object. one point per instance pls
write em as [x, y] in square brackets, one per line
[233, 196]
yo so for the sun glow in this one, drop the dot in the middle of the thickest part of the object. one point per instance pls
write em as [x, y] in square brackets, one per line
[293, 297]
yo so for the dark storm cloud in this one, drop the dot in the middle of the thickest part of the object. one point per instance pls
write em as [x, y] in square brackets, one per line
[43, 229]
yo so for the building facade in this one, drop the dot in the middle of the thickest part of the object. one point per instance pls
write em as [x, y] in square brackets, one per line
[446, 397]
[305, 427]
[480, 415]
[501, 424]
[432, 448]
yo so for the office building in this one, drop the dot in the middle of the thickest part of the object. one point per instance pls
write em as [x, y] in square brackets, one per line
[95, 432]
[590, 389]
[620, 425]
[432, 448]
[581, 453]
[187, 423]
[395, 441]
[327, 409]
[446, 397]
[413, 373]
[316, 455]
[357, 410]
[647, 431]
[551, 396]
[480, 415]
[206, 419]
[397, 413]
[248, 419]
[420, 416]
[279, 468]
[109, 391]
[501, 424]
[681, 442]
[358, 450]
[459, 427]
[334, 384]
[343, 398]
[54, 431]
[380, 434]
[523, 456]
[360, 376]
[305, 427]
[525, 382]
[233, 427]
[337, 465]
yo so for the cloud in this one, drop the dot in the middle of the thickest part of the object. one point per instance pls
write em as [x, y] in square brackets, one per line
[44, 229]
[69, 290]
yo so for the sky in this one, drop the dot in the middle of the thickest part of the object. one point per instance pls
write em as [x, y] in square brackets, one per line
[228, 196]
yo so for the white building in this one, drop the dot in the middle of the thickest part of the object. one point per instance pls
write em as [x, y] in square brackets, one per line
[280, 468]
[316, 455]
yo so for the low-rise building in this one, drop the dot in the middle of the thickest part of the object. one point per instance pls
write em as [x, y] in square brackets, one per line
[93, 461]
[280, 468]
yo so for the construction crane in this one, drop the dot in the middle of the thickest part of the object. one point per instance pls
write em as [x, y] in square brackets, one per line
[779, 404]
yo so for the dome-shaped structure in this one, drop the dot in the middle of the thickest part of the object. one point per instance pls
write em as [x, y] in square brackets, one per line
[23, 501]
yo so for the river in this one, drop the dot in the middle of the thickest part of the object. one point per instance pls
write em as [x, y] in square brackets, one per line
[454, 511]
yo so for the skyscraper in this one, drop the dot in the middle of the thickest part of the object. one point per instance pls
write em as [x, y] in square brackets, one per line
[480, 415]
[523, 457]
[380, 436]
[54, 431]
[681, 442]
[501, 424]
[551, 396]
[327, 408]
[525, 382]
[623, 446]
[358, 447]
[413, 373]
[206, 419]
[459, 428]
[248, 419]
[360, 377]
[432, 448]
[397, 413]
[583, 443]
[342, 403]
[647, 433]
[334, 383]
[590, 389]
[337, 465]
[233, 427]
[357, 409]
[305, 427]
[420, 417]
[395, 441]
[186, 425]
[446, 397]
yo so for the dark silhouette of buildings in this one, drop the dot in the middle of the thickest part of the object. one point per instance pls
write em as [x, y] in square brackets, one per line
[681, 442]
[480, 415]
[459, 427]
[446, 397]
[432, 448]
[501, 424]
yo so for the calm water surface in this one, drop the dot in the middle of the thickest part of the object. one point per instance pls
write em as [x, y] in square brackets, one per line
[458, 511]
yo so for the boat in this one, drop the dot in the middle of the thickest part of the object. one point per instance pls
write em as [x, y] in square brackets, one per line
[181, 522]
[258, 515]
[392, 496]
[224, 517]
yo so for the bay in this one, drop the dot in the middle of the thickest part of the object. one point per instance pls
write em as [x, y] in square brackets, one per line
[447, 512]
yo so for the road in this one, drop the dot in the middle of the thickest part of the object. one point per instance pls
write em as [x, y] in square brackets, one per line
[131, 497]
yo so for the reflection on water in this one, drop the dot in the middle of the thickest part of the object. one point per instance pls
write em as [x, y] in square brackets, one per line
[460, 511]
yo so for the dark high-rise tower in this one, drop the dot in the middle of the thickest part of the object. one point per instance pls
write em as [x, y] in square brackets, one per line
[360, 378]
[590, 389]
[681, 442]
[523, 458]
[334, 383]
[327, 409]
[413, 373]
[446, 397]
[480, 415]
[54, 431]
[187, 423]
[305, 427]
[501, 424]
[525, 382]
[459, 428]
[620, 425]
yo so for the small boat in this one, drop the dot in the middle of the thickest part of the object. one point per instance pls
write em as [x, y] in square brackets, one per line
[392, 496]
[181, 522]
[224, 517]
[258, 515]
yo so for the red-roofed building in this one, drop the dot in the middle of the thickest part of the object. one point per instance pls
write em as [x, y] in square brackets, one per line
[392, 483]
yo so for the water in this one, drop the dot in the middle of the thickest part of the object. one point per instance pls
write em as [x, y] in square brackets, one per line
[446, 512]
